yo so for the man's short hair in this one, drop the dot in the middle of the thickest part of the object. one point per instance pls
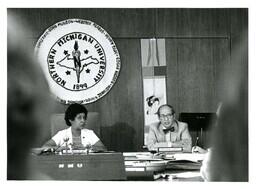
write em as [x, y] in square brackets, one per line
[165, 105]
[72, 111]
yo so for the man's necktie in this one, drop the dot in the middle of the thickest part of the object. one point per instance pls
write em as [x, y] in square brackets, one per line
[171, 129]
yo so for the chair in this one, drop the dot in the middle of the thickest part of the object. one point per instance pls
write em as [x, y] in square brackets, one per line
[200, 125]
[58, 123]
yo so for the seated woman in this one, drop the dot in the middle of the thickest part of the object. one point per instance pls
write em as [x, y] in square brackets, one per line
[76, 135]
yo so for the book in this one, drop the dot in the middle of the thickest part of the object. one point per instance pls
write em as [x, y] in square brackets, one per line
[192, 157]
[170, 149]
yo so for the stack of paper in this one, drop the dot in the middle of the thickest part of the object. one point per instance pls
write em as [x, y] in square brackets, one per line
[170, 149]
[193, 157]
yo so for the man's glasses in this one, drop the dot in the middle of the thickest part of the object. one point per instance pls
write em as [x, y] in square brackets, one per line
[168, 116]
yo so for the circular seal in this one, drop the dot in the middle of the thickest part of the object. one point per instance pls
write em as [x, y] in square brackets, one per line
[80, 60]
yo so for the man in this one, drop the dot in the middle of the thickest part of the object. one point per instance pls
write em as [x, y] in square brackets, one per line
[168, 132]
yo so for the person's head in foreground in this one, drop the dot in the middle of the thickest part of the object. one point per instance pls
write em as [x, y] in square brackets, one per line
[28, 101]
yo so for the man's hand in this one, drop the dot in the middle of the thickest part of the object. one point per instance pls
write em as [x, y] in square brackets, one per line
[197, 149]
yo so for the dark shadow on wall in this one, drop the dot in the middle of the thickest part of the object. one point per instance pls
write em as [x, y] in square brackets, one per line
[118, 137]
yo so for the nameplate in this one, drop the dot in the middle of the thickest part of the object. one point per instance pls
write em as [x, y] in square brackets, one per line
[170, 149]
[71, 165]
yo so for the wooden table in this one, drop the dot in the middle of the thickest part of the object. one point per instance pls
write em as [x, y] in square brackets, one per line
[107, 166]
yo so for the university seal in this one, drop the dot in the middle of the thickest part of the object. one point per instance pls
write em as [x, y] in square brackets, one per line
[80, 60]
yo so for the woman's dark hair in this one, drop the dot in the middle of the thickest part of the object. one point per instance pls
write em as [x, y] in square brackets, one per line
[72, 111]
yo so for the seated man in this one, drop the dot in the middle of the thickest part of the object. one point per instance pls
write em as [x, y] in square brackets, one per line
[168, 132]
[76, 135]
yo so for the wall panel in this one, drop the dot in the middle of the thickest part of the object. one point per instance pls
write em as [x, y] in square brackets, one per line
[192, 22]
[121, 23]
[193, 70]
[122, 107]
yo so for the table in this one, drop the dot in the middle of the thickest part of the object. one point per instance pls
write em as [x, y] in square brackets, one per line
[97, 166]
[164, 166]
[114, 166]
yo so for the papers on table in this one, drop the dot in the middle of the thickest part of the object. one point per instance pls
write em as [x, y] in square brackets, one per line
[145, 161]
[170, 149]
[134, 154]
[145, 165]
[142, 156]
[147, 156]
[193, 157]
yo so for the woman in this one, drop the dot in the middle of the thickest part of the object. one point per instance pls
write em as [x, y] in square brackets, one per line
[76, 135]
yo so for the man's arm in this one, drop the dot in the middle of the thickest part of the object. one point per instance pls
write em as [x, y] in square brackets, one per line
[198, 149]
[186, 140]
[152, 142]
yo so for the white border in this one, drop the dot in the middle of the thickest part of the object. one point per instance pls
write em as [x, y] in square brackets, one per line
[117, 4]
[138, 4]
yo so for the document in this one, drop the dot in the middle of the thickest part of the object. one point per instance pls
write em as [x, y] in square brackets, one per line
[193, 157]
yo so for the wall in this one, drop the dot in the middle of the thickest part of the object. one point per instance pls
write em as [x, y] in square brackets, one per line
[199, 46]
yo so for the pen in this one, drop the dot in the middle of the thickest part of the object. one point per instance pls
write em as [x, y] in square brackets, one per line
[197, 139]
